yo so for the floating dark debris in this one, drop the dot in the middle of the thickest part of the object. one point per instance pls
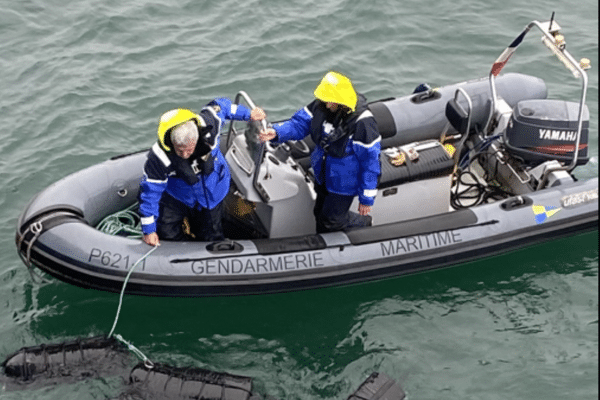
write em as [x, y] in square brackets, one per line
[81, 358]
[378, 386]
[100, 357]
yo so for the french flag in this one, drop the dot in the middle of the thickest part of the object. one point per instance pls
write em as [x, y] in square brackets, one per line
[507, 53]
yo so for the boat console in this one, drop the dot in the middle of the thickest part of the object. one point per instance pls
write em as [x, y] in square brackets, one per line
[277, 198]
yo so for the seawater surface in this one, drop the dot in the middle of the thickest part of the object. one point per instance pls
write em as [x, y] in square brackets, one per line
[83, 81]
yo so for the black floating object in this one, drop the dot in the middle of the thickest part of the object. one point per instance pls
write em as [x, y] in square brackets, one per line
[190, 383]
[79, 358]
[378, 386]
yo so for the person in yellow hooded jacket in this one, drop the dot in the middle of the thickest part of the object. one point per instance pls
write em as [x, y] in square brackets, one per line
[345, 160]
[186, 175]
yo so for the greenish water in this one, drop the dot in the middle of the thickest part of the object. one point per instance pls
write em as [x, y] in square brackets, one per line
[83, 81]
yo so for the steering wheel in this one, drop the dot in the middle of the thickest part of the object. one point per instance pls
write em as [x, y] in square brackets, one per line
[299, 148]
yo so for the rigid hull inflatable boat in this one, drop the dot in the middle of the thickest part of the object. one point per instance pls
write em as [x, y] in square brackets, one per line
[469, 170]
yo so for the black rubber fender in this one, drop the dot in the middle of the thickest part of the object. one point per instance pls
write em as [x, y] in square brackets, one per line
[80, 358]
[190, 383]
[378, 386]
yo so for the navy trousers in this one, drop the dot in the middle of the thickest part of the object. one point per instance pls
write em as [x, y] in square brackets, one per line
[332, 212]
[206, 225]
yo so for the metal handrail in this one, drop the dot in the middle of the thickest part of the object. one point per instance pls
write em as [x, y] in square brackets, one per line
[261, 151]
[244, 95]
[565, 57]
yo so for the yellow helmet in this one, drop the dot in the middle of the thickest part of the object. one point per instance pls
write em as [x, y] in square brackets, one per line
[336, 88]
[175, 117]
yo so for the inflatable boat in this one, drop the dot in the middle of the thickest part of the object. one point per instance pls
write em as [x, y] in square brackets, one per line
[469, 170]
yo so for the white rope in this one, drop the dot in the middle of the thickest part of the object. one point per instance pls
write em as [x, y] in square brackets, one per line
[131, 347]
[147, 362]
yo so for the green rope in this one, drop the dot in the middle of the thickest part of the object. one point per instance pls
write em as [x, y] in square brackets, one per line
[125, 223]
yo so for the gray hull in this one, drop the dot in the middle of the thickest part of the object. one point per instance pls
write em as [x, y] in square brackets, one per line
[56, 230]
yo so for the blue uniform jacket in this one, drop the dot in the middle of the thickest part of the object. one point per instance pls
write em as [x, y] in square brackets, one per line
[161, 174]
[354, 169]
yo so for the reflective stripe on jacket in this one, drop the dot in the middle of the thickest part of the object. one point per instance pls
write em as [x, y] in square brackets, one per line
[355, 168]
[161, 174]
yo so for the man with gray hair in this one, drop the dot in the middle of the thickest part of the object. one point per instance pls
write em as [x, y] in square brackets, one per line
[183, 136]
[186, 175]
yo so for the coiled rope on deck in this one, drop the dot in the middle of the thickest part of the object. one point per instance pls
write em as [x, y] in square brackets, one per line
[123, 223]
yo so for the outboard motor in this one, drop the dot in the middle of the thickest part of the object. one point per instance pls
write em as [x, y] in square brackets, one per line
[542, 130]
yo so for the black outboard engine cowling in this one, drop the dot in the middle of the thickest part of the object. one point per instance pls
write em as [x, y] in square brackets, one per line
[542, 130]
